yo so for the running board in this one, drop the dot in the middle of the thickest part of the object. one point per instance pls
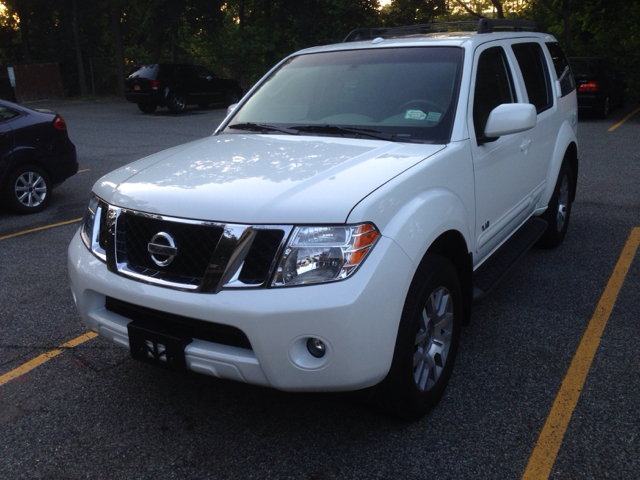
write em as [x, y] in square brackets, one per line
[496, 268]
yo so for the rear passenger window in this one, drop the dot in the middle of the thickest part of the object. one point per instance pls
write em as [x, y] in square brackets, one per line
[563, 70]
[536, 76]
[494, 86]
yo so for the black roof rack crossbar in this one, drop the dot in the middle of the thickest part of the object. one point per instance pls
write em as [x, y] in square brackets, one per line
[485, 25]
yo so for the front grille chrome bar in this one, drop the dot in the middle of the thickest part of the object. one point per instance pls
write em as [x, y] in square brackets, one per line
[235, 250]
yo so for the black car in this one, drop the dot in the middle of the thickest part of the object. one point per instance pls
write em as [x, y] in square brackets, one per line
[36, 156]
[600, 86]
[176, 86]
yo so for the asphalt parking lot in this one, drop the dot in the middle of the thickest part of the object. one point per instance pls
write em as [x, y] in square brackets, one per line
[547, 381]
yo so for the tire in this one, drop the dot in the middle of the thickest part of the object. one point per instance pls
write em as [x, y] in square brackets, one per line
[231, 98]
[28, 190]
[177, 102]
[427, 342]
[147, 107]
[559, 210]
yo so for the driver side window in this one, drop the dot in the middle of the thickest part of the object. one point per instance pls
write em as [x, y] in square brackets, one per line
[494, 86]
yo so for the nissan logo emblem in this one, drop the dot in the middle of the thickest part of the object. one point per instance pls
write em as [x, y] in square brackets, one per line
[162, 249]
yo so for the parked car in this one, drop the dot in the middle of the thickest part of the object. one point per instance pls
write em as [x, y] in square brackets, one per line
[176, 86]
[600, 86]
[36, 156]
[336, 229]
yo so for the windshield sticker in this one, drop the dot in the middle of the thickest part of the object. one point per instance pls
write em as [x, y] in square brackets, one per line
[434, 117]
[415, 115]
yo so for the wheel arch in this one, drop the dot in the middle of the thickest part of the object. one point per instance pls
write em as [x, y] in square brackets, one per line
[566, 148]
[452, 246]
[571, 155]
[27, 155]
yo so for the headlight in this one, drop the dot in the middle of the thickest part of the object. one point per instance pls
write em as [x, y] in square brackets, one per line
[324, 254]
[90, 230]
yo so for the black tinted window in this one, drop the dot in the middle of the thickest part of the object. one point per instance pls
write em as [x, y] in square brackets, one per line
[534, 71]
[563, 71]
[6, 114]
[494, 86]
[203, 72]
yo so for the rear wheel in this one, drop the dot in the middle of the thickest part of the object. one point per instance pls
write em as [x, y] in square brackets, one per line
[559, 209]
[147, 107]
[427, 341]
[28, 190]
[177, 102]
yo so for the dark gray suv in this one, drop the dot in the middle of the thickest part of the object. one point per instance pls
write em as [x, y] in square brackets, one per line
[176, 86]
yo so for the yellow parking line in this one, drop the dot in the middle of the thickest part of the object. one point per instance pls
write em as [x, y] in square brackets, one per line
[550, 439]
[84, 170]
[40, 228]
[45, 357]
[624, 120]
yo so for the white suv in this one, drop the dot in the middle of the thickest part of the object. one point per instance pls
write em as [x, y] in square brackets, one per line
[336, 229]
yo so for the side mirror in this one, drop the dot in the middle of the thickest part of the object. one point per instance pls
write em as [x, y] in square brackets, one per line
[231, 108]
[510, 118]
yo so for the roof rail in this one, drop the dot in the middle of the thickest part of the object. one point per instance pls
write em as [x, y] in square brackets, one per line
[485, 25]
[490, 25]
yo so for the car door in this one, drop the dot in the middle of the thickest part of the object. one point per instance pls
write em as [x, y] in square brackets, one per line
[208, 86]
[502, 166]
[6, 141]
[188, 83]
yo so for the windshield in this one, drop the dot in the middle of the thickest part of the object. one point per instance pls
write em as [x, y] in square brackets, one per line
[399, 94]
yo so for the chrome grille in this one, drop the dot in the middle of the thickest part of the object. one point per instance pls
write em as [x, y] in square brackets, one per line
[207, 256]
[196, 244]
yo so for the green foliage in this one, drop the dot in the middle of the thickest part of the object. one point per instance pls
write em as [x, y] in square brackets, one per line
[245, 38]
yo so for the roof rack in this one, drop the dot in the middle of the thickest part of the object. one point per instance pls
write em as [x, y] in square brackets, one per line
[485, 25]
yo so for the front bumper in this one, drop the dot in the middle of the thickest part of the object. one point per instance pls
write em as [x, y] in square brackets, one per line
[357, 319]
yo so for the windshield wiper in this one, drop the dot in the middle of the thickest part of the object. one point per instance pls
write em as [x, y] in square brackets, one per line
[261, 127]
[337, 130]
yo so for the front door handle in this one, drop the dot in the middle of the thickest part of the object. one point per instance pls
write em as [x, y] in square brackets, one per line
[525, 145]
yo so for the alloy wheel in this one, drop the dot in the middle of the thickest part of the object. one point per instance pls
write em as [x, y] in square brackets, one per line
[31, 189]
[433, 339]
[563, 203]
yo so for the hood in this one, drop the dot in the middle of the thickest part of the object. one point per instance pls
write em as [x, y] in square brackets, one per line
[260, 179]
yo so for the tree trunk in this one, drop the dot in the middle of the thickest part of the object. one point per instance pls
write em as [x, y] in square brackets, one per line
[76, 39]
[119, 49]
[24, 12]
[563, 13]
[498, 7]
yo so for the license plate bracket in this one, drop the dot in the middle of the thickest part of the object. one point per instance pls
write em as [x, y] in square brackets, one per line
[156, 348]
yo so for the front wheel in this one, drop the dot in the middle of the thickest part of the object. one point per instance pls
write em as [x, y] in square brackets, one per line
[28, 190]
[147, 107]
[559, 209]
[427, 342]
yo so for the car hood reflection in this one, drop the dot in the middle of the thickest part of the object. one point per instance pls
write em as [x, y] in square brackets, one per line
[260, 178]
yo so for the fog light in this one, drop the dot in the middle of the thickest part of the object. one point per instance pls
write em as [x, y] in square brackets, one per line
[316, 347]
